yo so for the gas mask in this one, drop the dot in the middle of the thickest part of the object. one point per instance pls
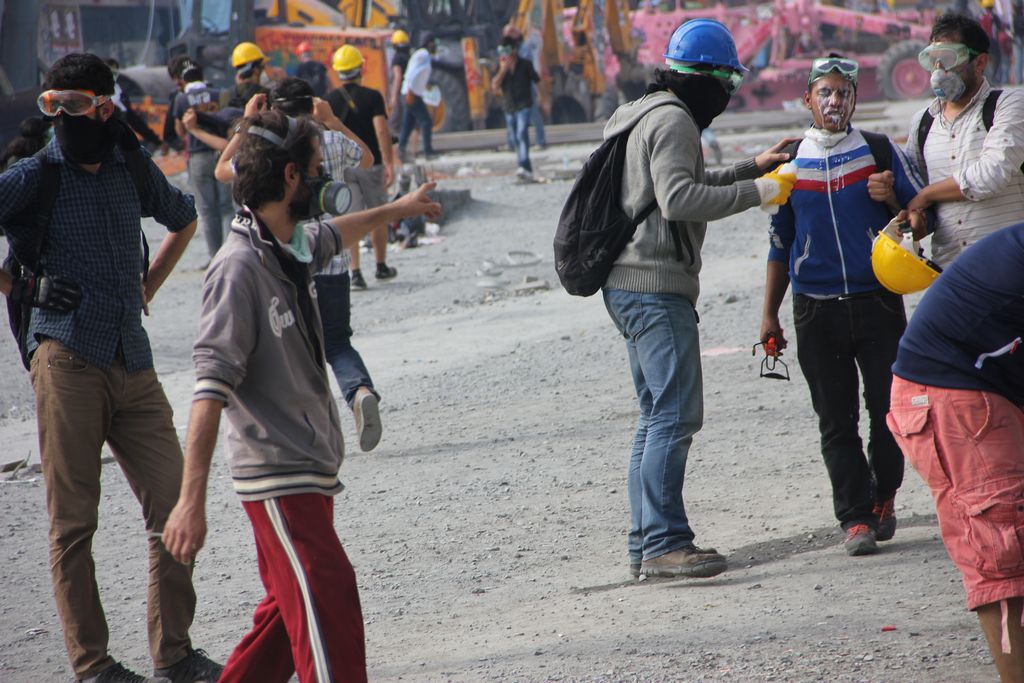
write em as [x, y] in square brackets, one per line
[947, 85]
[323, 195]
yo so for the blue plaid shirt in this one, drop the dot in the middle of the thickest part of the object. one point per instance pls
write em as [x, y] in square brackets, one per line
[94, 239]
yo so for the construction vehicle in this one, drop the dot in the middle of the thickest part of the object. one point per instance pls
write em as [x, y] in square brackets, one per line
[778, 40]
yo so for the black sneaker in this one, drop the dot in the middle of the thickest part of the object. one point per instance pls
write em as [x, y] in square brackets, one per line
[885, 513]
[118, 674]
[385, 272]
[358, 281]
[195, 668]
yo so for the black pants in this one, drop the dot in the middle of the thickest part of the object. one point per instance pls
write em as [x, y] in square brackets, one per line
[835, 338]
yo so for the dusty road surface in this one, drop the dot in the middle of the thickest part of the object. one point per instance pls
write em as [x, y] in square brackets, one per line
[488, 528]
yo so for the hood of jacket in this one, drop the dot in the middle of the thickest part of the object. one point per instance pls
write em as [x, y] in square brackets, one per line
[627, 116]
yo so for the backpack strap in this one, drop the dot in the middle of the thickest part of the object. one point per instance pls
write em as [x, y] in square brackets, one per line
[29, 253]
[988, 109]
[880, 148]
[923, 126]
[138, 169]
[791, 149]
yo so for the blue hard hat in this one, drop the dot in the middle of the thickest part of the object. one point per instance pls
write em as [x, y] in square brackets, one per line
[704, 41]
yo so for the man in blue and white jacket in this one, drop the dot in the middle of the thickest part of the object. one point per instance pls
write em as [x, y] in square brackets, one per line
[845, 321]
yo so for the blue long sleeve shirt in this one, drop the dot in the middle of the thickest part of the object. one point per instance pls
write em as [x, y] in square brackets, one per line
[826, 229]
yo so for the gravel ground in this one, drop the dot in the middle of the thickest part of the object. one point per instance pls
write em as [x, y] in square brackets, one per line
[488, 528]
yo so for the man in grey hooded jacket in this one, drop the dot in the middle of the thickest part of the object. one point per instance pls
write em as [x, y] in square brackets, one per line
[259, 359]
[653, 286]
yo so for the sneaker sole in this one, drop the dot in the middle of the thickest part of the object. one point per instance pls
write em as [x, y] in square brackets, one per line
[368, 424]
[700, 570]
[864, 548]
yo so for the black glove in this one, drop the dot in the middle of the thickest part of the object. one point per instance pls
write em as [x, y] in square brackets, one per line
[53, 293]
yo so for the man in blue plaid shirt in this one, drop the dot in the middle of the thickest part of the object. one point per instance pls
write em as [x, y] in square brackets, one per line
[91, 363]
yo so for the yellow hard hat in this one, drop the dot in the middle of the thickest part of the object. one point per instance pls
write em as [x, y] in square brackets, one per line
[898, 270]
[245, 53]
[347, 58]
[399, 38]
[986, 4]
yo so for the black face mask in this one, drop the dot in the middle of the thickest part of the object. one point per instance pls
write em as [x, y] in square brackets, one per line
[85, 139]
[704, 96]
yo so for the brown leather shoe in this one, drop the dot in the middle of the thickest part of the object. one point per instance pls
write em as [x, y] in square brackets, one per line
[693, 561]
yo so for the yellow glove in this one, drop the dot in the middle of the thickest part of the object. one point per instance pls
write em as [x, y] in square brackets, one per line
[776, 186]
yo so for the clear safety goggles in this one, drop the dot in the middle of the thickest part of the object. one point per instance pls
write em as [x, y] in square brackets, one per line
[730, 79]
[945, 56]
[71, 102]
[847, 68]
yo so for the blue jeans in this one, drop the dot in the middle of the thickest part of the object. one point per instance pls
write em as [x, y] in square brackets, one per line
[664, 356]
[213, 199]
[537, 119]
[518, 124]
[416, 114]
[333, 296]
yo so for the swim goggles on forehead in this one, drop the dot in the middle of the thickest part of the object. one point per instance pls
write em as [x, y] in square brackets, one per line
[847, 68]
[730, 79]
[71, 102]
[945, 56]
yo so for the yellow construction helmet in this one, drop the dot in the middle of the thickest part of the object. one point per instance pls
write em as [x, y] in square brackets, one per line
[346, 58]
[245, 53]
[400, 38]
[986, 4]
[898, 270]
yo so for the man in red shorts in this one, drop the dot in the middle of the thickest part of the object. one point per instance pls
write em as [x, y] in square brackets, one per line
[957, 411]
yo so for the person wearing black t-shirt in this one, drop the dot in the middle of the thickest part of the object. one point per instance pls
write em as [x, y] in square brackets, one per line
[514, 81]
[362, 110]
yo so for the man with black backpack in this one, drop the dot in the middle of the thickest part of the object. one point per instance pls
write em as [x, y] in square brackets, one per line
[72, 218]
[652, 287]
[968, 144]
[845, 320]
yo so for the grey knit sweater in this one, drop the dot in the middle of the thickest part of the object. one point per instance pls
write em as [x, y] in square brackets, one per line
[664, 161]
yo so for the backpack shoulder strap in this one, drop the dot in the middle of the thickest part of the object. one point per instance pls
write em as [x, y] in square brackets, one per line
[880, 148]
[139, 171]
[46, 199]
[988, 109]
[791, 149]
[923, 126]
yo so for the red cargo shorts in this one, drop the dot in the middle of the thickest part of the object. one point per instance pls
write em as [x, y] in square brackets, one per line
[968, 446]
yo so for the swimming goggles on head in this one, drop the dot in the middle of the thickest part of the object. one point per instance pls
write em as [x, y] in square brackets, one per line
[730, 79]
[823, 66]
[945, 56]
[71, 102]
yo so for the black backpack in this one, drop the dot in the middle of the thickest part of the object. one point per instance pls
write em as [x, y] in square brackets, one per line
[27, 258]
[593, 229]
[988, 115]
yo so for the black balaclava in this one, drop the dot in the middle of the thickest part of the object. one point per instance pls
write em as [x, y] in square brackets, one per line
[86, 139]
[704, 96]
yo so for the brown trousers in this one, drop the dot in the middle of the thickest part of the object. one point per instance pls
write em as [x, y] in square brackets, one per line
[79, 407]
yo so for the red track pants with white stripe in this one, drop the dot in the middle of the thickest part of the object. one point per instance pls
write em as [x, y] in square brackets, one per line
[310, 621]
